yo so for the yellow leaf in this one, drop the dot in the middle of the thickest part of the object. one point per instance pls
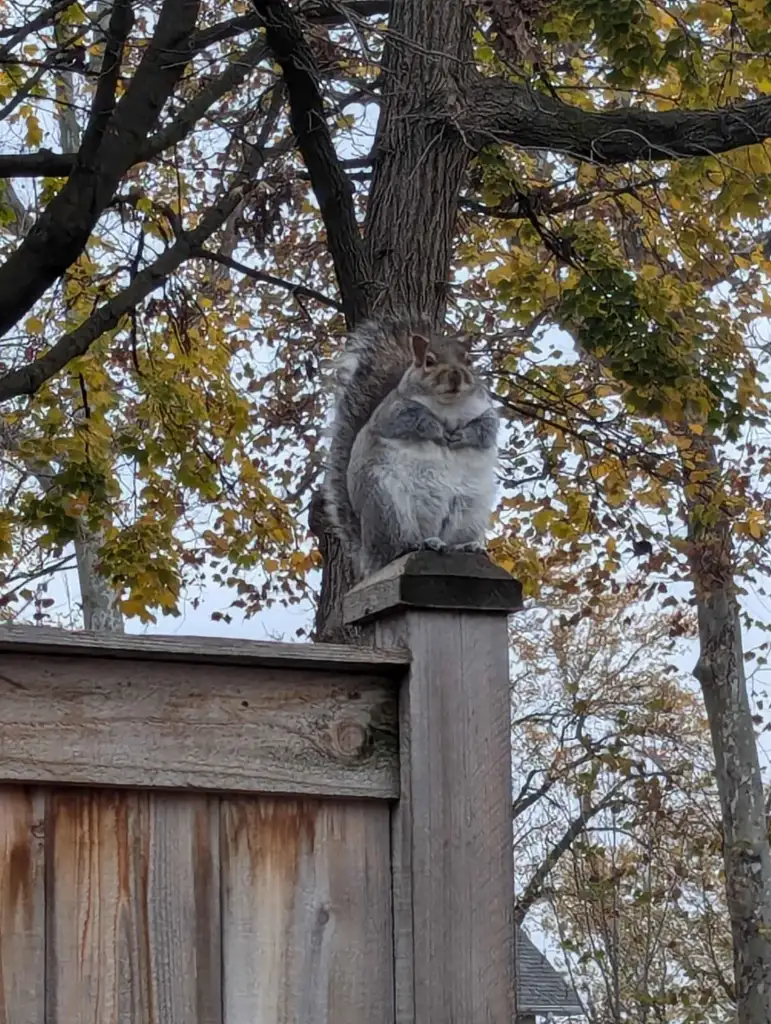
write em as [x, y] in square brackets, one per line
[542, 519]
[499, 274]
[562, 530]
[34, 131]
[34, 325]
[132, 606]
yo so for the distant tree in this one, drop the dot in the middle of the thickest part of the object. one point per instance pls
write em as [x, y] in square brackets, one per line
[617, 818]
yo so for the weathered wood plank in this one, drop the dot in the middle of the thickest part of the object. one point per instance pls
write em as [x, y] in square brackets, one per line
[306, 913]
[133, 909]
[146, 724]
[460, 792]
[22, 905]
[203, 650]
[395, 628]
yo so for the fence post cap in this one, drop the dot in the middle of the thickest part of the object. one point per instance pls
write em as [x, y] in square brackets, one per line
[447, 581]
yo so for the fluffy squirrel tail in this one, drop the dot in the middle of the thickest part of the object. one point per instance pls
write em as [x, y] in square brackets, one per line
[372, 363]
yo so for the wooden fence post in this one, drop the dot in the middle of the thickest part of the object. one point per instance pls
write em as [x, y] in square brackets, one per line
[451, 832]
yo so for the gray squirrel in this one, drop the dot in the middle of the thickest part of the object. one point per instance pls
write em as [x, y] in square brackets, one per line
[413, 445]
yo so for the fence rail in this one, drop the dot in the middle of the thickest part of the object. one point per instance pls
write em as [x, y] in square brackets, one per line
[200, 831]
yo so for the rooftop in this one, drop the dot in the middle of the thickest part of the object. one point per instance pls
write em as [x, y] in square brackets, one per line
[540, 988]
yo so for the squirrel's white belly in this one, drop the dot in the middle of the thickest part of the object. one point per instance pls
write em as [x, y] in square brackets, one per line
[426, 482]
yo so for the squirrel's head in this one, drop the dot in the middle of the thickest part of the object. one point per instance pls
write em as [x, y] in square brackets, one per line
[441, 367]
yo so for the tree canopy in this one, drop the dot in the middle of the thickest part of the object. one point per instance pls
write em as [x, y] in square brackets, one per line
[177, 373]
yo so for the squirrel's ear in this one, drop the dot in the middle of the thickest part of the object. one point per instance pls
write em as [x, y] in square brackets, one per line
[419, 348]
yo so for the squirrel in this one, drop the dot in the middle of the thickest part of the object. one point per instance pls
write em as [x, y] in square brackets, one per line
[413, 447]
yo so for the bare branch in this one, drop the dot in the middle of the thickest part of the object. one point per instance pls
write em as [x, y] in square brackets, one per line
[62, 230]
[232, 77]
[39, 21]
[54, 165]
[330, 183]
[26, 380]
[261, 275]
[43, 164]
[502, 111]
[103, 105]
[331, 14]
[534, 887]
[224, 30]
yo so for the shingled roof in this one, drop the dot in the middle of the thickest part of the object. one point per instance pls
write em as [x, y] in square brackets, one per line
[540, 988]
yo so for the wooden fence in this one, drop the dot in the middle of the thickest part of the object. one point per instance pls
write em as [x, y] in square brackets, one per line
[211, 832]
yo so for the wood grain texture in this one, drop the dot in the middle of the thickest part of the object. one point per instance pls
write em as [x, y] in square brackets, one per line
[306, 913]
[133, 909]
[145, 724]
[334, 658]
[22, 905]
[456, 778]
[395, 628]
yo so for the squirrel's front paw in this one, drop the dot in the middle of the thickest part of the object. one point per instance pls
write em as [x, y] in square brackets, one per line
[434, 544]
[453, 438]
[474, 546]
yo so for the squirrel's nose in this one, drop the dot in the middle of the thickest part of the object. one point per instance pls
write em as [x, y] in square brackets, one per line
[455, 380]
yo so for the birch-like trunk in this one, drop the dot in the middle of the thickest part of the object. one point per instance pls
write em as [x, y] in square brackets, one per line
[720, 671]
[99, 599]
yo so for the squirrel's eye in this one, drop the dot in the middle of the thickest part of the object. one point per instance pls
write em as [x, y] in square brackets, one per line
[430, 359]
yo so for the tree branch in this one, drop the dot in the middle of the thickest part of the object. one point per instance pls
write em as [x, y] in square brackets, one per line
[39, 21]
[59, 235]
[261, 275]
[331, 12]
[103, 105]
[534, 887]
[322, 13]
[55, 165]
[26, 380]
[497, 110]
[500, 111]
[43, 164]
[329, 181]
[231, 78]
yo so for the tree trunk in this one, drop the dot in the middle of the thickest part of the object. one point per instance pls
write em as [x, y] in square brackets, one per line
[420, 158]
[98, 598]
[720, 671]
[409, 230]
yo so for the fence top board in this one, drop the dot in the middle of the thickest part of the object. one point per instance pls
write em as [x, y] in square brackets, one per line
[203, 650]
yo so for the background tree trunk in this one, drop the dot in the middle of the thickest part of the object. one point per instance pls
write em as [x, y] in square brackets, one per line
[98, 597]
[720, 671]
